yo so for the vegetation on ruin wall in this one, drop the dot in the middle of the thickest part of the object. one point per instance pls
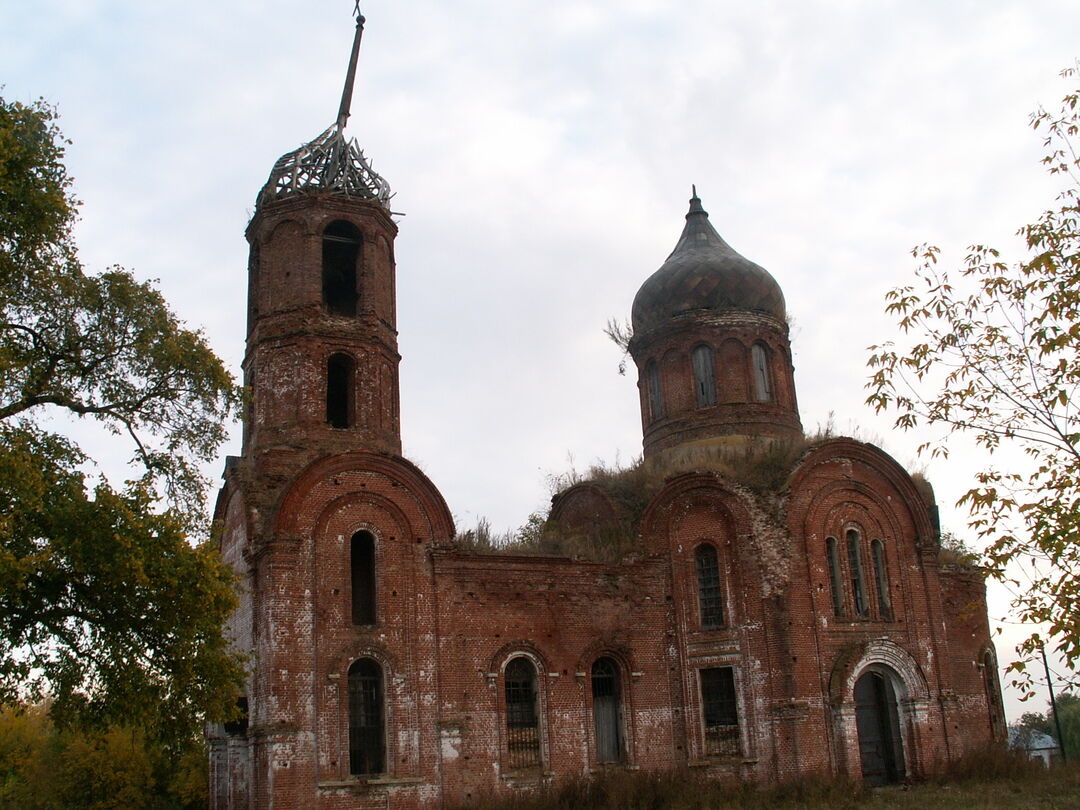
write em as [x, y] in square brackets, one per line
[990, 779]
[759, 471]
[992, 351]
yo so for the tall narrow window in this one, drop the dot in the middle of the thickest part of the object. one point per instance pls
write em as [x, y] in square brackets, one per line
[367, 746]
[858, 581]
[993, 697]
[340, 250]
[340, 370]
[759, 360]
[881, 578]
[362, 577]
[522, 726]
[719, 712]
[835, 579]
[652, 383]
[704, 379]
[710, 594]
[607, 711]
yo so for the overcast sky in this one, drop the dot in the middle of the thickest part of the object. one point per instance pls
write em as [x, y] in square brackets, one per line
[542, 154]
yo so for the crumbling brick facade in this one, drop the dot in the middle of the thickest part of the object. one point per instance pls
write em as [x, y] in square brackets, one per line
[759, 628]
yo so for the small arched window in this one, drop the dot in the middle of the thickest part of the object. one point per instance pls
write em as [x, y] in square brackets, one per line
[607, 710]
[759, 361]
[655, 395]
[341, 243]
[367, 733]
[835, 578]
[881, 578]
[710, 594]
[858, 580]
[522, 723]
[704, 378]
[340, 372]
[362, 577]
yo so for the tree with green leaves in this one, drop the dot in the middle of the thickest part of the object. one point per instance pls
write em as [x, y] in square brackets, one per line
[106, 608]
[995, 354]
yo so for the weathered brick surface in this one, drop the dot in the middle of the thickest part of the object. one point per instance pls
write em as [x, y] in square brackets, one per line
[448, 622]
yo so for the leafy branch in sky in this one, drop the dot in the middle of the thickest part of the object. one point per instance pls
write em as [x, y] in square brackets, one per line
[106, 609]
[995, 354]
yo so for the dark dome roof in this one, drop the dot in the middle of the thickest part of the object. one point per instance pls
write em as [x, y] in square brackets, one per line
[703, 272]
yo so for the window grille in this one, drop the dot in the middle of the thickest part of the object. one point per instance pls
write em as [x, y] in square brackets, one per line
[858, 580]
[720, 712]
[366, 729]
[522, 724]
[710, 594]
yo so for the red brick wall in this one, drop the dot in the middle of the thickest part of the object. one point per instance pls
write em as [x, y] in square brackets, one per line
[447, 623]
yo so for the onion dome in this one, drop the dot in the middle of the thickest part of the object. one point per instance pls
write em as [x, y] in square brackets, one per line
[704, 274]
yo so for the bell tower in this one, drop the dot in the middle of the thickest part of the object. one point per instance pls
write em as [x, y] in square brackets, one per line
[321, 365]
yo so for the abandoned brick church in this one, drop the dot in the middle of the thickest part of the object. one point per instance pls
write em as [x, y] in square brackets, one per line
[778, 606]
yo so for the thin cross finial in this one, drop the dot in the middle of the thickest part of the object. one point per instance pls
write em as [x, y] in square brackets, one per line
[350, 77]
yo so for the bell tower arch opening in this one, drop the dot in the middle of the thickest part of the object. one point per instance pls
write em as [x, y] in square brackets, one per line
[340, 383]
[341, 243]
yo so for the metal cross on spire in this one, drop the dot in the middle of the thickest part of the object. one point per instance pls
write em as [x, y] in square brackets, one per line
[347, 91]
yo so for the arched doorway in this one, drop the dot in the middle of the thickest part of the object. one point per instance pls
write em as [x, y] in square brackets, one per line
[881, 748]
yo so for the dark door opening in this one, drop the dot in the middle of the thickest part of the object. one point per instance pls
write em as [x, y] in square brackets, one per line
[878, 724]
[606, 711]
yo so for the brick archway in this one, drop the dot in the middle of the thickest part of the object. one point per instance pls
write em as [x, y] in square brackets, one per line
[909, 691]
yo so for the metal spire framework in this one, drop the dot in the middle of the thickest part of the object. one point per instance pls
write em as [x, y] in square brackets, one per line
[331, 162]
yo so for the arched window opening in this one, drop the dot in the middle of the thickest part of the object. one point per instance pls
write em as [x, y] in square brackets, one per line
[759, 360]
[607, 710]
[881, 748]
[719, 712]
[367, 746]
[340, 370]
[881, 578]
[362, 577]
[704, 379]
[655, 396]
[522, 724]
[835, 579]
[710, 594]
[858, 581]
[340, 250]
